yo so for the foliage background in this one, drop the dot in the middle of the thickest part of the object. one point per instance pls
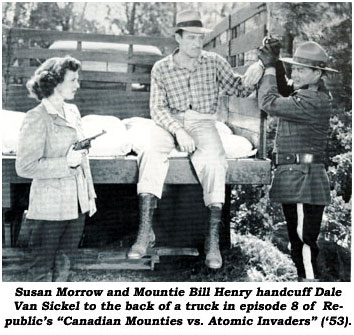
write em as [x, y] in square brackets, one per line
[140, 18]
[330, 25]
[257, 223]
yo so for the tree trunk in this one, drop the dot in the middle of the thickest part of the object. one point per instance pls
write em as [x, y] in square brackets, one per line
[17, 14]
[82, 16]
[131, 19]
[174, 13]
[67, 13]
[279, 27]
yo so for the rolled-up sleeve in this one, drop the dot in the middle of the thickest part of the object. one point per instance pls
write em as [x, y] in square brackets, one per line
[30, 160]
[159, 108]
[300, 107]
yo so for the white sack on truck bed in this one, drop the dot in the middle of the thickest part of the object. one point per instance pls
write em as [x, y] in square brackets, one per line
[11, 124]
[235, 146]
[138, 131]
[122, 136]
[114, 143]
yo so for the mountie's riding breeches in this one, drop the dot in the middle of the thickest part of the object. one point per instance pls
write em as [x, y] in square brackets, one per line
[304, 223]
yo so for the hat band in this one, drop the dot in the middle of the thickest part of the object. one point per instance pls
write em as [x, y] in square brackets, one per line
[195, 23]
[301, 60]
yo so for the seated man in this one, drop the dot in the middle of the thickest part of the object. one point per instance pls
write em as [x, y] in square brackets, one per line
[184, 93]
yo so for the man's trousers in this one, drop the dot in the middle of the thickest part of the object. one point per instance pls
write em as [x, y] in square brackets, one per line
[209, 159]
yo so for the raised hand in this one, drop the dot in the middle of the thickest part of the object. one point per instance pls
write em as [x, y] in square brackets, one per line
[269, 52]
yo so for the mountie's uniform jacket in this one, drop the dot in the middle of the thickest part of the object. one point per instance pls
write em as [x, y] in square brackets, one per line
[300, 181]
[302, 129]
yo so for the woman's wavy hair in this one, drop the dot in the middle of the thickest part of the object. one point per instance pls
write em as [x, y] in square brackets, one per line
[49, 75]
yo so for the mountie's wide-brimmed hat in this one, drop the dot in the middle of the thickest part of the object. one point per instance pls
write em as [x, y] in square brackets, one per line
[190, 20]
[310, 54]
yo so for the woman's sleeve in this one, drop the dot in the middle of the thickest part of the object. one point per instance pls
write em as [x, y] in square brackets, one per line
[30, 160]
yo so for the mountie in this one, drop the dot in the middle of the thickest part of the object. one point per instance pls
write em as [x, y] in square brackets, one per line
[199, 292]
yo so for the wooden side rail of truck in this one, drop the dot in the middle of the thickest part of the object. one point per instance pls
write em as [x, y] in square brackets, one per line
[115, 79]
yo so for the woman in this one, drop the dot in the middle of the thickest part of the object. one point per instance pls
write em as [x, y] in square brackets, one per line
[300, 181]
[62, 189]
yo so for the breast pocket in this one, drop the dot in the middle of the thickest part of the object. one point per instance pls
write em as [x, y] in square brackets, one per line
[208, 83]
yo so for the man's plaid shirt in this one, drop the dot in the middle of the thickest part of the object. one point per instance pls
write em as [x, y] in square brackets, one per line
[175, 89]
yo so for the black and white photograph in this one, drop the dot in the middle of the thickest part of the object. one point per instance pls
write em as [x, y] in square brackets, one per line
[176, 141]
[180, 167]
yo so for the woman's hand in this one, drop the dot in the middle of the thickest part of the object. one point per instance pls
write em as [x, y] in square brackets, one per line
[74, 157]
[93, 209]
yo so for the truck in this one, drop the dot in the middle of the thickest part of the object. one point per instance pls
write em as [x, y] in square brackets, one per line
[115, 80]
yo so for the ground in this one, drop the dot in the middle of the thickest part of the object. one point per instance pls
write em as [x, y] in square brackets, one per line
[170, 269]
[250, 260]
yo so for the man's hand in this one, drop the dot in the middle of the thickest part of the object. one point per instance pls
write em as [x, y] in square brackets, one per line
[185, 141]
[269, 52]
[253, 75]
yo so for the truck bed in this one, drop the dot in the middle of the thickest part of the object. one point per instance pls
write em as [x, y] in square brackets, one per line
[124, 170]
[108, 90]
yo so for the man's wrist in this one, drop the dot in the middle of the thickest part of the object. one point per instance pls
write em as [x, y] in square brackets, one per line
[270, 70]
[177, 130]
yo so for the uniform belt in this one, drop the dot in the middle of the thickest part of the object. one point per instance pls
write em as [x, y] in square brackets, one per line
[297, 158]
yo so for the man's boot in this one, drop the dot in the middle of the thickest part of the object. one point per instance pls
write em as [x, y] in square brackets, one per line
[146, 236]
[213, 258]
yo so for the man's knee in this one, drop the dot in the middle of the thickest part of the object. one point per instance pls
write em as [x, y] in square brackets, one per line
[160, 139]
